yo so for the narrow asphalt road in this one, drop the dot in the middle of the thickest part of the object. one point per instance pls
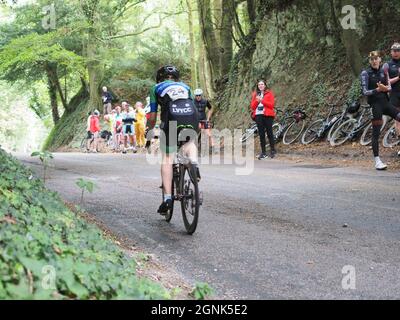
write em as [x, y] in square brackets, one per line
[276, 233]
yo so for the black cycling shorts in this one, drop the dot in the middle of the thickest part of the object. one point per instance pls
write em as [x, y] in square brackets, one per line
[395, 99]
[169, 144]
[89, 135]
[382, 107]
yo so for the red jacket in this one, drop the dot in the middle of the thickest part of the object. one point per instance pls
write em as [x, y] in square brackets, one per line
[94, 124]
[268, 102]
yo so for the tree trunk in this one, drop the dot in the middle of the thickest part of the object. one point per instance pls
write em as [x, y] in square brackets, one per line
[52, 89]
[94, 71]
[209, 39]
[226, 51]
[251, 11]
[193, 69]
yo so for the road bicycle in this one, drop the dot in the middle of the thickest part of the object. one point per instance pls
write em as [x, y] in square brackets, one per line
[366, 137]
[185, 188]
[391, 138]
[351, 128]
[319, 128]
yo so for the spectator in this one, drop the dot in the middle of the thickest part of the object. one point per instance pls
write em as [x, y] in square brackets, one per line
[262, 106]
[107, 99]
[140, 125]
[117, 128]
[128, 118]
[94, 130]
[89, 133]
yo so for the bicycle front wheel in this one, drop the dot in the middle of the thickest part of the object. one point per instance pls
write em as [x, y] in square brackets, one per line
[190, 202]
[366, 137]
[248, 133]
[293, 132]
[342, 133]
[311, 133]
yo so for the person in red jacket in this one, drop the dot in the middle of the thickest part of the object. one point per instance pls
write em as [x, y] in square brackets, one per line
[94, 128]
[262, 107]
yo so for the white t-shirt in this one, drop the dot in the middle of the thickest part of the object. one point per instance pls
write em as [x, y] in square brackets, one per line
[260, 107]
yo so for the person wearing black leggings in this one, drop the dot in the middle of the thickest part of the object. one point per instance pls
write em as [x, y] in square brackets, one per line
[262, 106]
[376, 85]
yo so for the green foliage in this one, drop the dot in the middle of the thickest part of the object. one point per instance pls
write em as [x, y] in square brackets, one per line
[202, 291]
[48, 252]
[44, 156]
[26, 58]
[85, 185]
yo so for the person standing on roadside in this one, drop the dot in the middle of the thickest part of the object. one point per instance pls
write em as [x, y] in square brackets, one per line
[202, 105]
[107, 99]
[376, 85]
[140, 125]
[95, 130]
[394, 74]
[262, 107]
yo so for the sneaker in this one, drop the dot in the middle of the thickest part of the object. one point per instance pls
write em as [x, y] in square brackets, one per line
[398, 154]
[379, 165]
[164, 207]
[272, 154]
[262, 156]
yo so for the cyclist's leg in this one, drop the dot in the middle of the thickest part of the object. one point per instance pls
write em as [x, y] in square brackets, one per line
[377, 113]
[168, 150]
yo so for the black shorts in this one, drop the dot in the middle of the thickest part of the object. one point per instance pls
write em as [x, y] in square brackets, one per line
[395, 99]
[382, 107]
[89, 135]
[169, 144]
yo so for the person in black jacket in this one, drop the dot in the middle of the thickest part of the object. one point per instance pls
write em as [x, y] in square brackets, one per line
[107, 99]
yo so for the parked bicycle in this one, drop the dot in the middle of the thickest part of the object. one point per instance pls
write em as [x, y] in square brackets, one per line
[321, 127]
[391, 138]
[366, 137]
[185, 189]
[351, 128]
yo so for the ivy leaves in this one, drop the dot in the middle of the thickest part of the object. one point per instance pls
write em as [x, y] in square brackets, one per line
[48, 252]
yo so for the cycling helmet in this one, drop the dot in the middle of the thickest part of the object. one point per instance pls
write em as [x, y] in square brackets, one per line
[395, 46]
[165, 71]
[353, 107]
[198, 92]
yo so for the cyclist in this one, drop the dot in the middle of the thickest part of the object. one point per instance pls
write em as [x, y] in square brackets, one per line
[128, 129]
[201, 105]
[177, 113]
[394, 74]
[376, 85]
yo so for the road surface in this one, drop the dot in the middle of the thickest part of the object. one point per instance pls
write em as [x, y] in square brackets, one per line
[278, 233]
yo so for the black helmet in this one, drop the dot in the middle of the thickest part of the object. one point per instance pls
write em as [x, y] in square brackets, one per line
[165, 71]
[353, 107]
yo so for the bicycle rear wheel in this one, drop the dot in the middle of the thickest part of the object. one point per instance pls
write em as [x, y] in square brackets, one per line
[190, 202]
[311, 133]
[293, 132]
[342, 133]
[391, 139]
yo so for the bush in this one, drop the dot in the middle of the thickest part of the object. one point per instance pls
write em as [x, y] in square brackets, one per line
[47, 252]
